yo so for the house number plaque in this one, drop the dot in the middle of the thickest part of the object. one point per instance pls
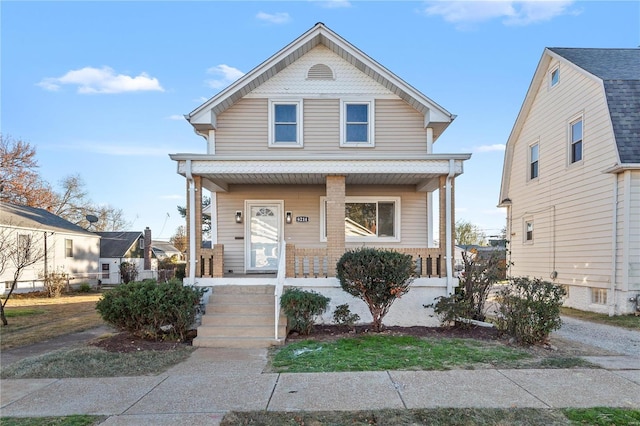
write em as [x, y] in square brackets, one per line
[302, 218]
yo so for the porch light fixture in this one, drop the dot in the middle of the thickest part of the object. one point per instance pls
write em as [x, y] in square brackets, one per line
[238, 216]
[288, 217]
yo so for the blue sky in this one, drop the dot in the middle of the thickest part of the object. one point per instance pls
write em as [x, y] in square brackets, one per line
[100, 88]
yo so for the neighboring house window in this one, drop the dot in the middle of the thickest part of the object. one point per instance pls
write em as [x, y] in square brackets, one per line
[533, 161]
[554, 76]
[68, 248]
[24, 246]
[599, 296]
[368, 218]
[105, 271]
[576, 141]
[357, 123]
[285, 128]
[528, 231]
[141, 243]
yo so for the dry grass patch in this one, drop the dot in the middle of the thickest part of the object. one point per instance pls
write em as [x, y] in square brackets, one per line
[34, 319]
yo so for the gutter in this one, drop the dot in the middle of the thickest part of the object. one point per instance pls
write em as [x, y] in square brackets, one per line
[192, 229]
[448, 232]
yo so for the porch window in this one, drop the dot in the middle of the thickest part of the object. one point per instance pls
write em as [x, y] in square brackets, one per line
[285, 124]
[357, 123]
[368, 218]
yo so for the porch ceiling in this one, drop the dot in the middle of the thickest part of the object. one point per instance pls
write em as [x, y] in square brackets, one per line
[219, 173]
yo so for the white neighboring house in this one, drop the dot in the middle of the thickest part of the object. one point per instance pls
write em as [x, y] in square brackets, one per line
[131, 247]
[571, 178]
[60, 245]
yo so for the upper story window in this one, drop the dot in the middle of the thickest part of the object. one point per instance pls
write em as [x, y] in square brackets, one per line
[554, 76]
[533, 161]
[575, 141]
[285, 124]
[24, 247]
[356, 128]
[68, 247]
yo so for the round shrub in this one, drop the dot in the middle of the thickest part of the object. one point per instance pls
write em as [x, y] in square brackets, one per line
[378, 277]
[301, 307]
[150, 309]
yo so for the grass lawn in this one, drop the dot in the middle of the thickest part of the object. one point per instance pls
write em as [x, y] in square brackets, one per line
[34, 319]
[373, 352]
[631, 322]
[441, 417]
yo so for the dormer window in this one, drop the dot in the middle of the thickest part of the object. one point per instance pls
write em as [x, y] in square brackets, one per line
[554, 76]
[320, 72]
[285, 124]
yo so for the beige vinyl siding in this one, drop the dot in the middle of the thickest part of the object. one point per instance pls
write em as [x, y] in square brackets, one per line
[304, 200]
[243, 129]
[399, 128]
[628, 233]
[634, 232]
[571, 204]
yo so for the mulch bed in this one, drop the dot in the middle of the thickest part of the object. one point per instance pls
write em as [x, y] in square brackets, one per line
[126, 342]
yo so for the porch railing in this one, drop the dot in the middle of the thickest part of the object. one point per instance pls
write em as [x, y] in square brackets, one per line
[210, 262]
[314, 262]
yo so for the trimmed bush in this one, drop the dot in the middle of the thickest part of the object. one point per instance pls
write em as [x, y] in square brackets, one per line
[529, 309]
[342, 316]
[378, 277]
[147, 308]
[301, 307]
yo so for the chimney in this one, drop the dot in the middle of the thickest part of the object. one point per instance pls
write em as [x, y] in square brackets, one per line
[147, 248]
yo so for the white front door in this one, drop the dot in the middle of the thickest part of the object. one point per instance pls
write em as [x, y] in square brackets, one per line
[263, 236]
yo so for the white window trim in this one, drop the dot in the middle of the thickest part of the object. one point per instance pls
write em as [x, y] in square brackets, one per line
[571, 122]
[525, 222]
[299, 103]
[529, 161]
[343, 123]
[364, 199]
[551, 71]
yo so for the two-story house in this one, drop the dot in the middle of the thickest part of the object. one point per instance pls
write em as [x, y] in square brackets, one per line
[317, 150]
[571, 178]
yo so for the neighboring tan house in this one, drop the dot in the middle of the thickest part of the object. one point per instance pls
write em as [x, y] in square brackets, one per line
[163, 250]
[571, 178]
[55, 244]
[319, 150]
[131, 247]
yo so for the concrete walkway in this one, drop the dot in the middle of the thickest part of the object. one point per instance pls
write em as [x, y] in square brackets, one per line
[211, 382]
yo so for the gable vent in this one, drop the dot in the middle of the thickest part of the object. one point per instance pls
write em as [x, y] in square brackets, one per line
[320, 72]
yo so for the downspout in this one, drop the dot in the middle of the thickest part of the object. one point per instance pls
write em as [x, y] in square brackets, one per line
[448, 227]
[614, 249]
[192, 221]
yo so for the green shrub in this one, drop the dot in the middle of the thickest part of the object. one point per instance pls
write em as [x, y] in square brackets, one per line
[470, 297]
[342, 316]
[378, 277]
[84, 288]
[301, 307]
[529, 309]
[150, 310]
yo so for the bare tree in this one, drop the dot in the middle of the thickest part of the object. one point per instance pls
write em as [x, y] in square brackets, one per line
[20, 182]
[469, 234]
[179, 239]
[19, 250]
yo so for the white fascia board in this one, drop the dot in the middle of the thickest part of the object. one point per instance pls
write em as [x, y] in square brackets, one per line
[618, 168]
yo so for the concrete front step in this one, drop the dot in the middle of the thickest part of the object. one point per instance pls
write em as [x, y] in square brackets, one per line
[240, 319]
[231, 331]
[235, 342]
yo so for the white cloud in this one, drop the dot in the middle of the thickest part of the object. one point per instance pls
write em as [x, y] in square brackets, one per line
[91, 80]
[490, 148]
[176, 117]
[274, 18]
[225, 76]
[511, 12]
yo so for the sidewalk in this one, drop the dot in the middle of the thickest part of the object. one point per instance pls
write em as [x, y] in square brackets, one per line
[211, 382]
